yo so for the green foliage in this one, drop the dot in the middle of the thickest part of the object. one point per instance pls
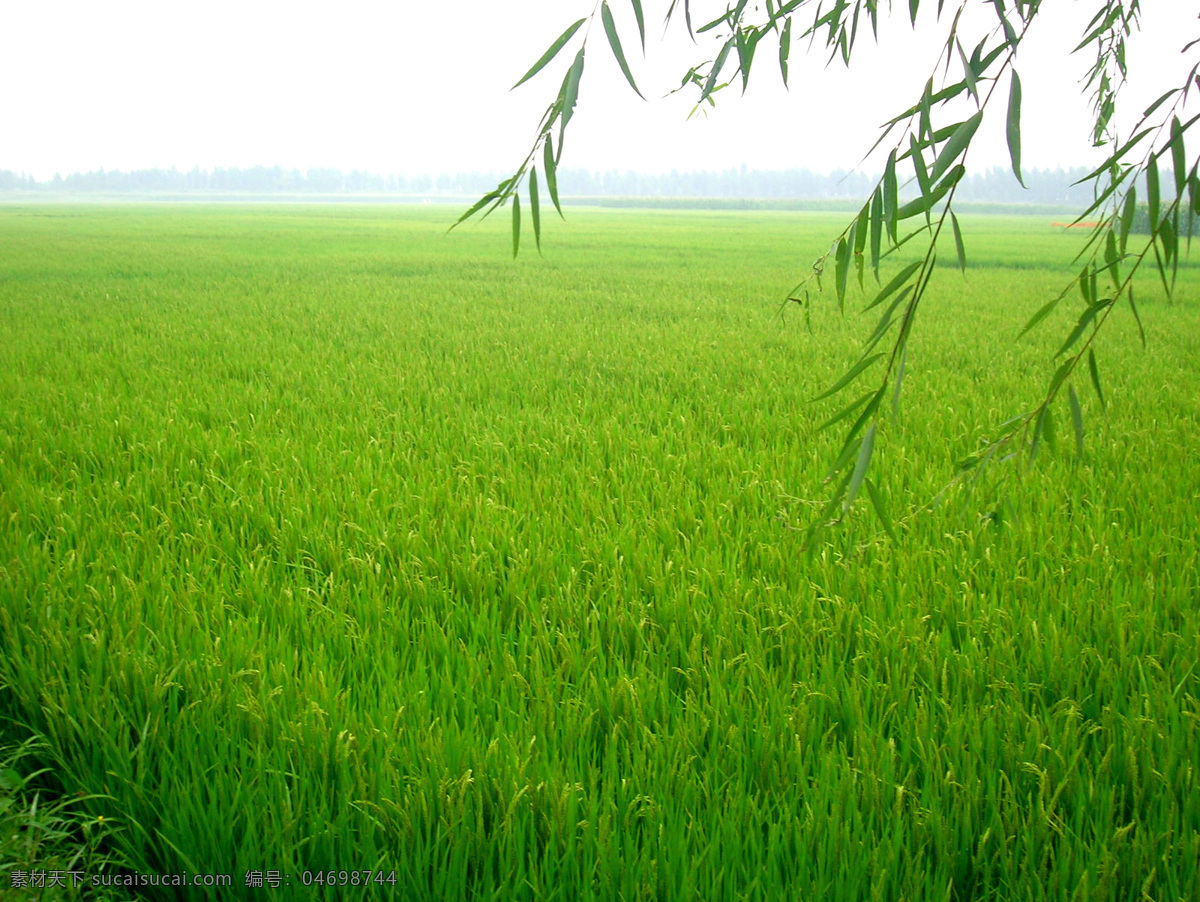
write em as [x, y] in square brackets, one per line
[332, 542]
[50, 848]
[932, 140]
[1140, 222]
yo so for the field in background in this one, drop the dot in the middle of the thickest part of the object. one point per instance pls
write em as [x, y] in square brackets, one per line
[332, 542]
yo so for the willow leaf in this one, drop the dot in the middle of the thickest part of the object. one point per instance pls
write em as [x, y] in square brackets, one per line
[894, 285]
[958, 243]
[535, 209]
[785, 49]
[880, 509]
[610, 29]
[848, 377]
[516, 224]
[1094, 371]
[641, 22]
[954, 148]
[1152, 194]
[551, 53]
[1014, 126]
[860, 466]
[549, 166]
[1077, 420]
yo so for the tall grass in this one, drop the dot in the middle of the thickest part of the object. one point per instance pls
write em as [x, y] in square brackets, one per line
[331, 542]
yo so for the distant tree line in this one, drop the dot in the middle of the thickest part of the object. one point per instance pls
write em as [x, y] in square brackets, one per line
[1188, 224]
[1045, 186]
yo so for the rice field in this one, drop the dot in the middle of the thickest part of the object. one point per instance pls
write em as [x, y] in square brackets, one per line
[356, 560]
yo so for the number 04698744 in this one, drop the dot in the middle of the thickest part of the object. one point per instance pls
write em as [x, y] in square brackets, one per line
[348, 878]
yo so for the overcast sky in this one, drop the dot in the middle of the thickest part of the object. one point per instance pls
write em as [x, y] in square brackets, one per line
[422, 87]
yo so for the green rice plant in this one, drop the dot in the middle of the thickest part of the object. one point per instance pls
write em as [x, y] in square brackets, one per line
[335, 544]
[48, 848]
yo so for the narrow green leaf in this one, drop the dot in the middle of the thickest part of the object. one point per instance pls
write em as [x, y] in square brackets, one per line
[710, 84]
[1114, 157]
[567, 97]
[1152, 195]
[927, 201]
[862, 228]
[1154, 106]
[968, 71]
[890, 192]
[1112, 258]
[847, 411]
[887, 320]
[880, 510]
[900, 371]
[747, 43]
[1128, 215]
[848, 446]
[1041, 315]
[1077, 419]
[848, 377]
[1095, 374]
[785, 48]
[954, 148]
[1060, 376]
[894, 285]
[876, 229]
[479, 205]
[1136, 316]
[1083, 322]
[1049, 430]
[842, 268]
[943, 96]
[641, 22]
[860, 466]
[549, 166]
[826, 517]
[535, 207]
[715, 23]
[1014, 126]
[551, 53]
[1039, 432]
[924, 183]
[958, 243]
[942, 134]
[1178, 157]
[1010, 33]
[516, 223]
[610, 29]
[1168, 237]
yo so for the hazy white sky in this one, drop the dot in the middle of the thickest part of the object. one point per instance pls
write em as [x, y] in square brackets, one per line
[422, 87]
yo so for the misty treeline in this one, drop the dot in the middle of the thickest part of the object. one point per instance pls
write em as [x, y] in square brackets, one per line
[1045, 186]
